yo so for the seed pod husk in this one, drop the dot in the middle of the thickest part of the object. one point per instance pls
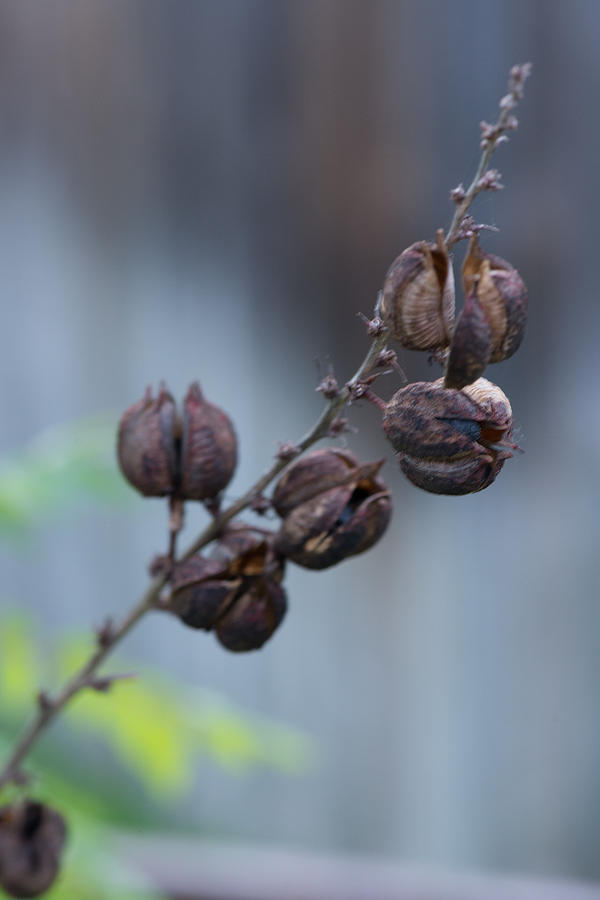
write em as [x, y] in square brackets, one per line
[335, 522]
[449, 441]
[417, 301]
[471, 345]
[503, 297]
[254, 617]
[32, 837]
[146, 444]
[208, 448]
[202, 590]
[310, 475]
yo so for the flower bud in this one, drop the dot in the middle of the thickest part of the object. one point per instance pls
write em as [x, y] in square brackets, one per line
[503, 296]
[146, 445]
[31, 841]
[449, 441]
[160, 454]
[418, 296]
[332, 508]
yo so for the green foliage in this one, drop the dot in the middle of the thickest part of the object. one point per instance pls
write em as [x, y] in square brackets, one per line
[61, 466]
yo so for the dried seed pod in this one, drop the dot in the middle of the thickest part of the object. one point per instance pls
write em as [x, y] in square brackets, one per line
[32, 837]
[208, 448]
[471, 345]
[254, 617]
[146, 444]
[418, 296]
[312, 474]
[449, 441]
[335, 522]
[502, 294]
[161, 455]
[202, 590]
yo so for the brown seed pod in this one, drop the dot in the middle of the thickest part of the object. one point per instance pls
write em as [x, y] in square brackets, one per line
[236, 591]
[159, 454]
[334, 522]
[503, 297]
[417, 302]
[32, 837]
[312, 474]
[146, 444]
[471, 345]
[208, 448]
[449, 441]
[202, 590]
[254, 617]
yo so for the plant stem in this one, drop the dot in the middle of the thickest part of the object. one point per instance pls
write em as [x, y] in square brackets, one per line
[49, 708]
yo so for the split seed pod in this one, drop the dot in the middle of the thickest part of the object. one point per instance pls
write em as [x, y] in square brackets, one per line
[332, 508]
[160, 454]
[418, 296]
[236, 591]
[449, 441]
[471, 345]
[502, 294]
[31, 841]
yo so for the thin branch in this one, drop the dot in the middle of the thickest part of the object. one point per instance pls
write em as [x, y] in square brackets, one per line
[491, 137]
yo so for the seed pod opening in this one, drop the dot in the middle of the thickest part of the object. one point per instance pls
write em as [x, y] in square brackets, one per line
[418, 296]
[450, 441]
[202, 590]
[502, 294]
[32, 837]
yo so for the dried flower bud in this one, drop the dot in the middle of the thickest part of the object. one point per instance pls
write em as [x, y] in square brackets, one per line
[160, 455]
[332, 508]
[146, 445]
[253, 618]
[31, 841]
[471, 345]
[418, 296]
[449, 441]
[502, 295]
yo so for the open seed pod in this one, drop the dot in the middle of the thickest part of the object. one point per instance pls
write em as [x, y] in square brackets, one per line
[191, 457]
[32, 837]
[471, 345]
[324, 524]
[417, 302]
[502, 294]
[236, 591]
[449, 441]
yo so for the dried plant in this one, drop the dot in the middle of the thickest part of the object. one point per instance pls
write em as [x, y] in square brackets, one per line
[451, 436]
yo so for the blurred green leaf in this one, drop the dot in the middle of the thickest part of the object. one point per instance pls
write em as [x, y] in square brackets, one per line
[63, 465]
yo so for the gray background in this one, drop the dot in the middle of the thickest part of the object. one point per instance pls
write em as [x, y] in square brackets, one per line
[213, 190]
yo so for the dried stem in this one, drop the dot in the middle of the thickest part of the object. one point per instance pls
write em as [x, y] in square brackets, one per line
[110, 636]
[492, 136]
[49, 707]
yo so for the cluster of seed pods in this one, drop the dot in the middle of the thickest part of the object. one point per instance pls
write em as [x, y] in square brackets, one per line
[330, 507]
[453, 435]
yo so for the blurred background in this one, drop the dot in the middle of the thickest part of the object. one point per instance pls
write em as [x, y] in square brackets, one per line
[213, 190]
